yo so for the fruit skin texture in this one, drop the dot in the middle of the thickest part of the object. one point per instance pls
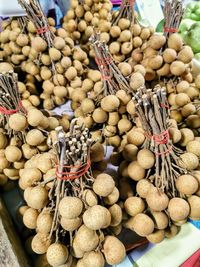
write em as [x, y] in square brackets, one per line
[156, 237]
[156, 200]
[57, 254]
[103, 185]
[30, 218]
[161, 220]
[40, 243]
[178, 209]
[70, 207]
[97, 217]
[87, 239]
[38, 197]
[114, 250]
[143, 187]
[142, 224]
[194, 202]
[134, 205]
[94, 258]
[17, 122]
[146, 158]
[135, 171]
[187, 184]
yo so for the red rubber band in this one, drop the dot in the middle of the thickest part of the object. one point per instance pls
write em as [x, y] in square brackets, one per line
[163, 105]
[82, 169]
[6, 111]
[105, 77]
[160, 139]
[100, 61]
[108, 60]
[164, 153]
[103, 61]
[42, 30]
[166, 29]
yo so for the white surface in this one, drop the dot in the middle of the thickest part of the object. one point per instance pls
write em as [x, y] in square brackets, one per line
[174, 251]
[195, 67]
[151, 11]
[11, 8]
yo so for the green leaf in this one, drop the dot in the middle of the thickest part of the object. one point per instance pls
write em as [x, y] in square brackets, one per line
[160, 26]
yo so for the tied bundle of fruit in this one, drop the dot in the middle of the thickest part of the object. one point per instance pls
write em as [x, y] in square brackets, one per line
[165, 176]
[164, 55]
[105, 105]
[36, 15]
[12, 112]
[112, 78]
[173, 13]
[71, 210]
[23, 134]
[153, 110]
[126, 36]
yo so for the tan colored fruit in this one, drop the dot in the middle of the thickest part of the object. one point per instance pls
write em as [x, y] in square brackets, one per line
[93, 258]
[146, 158]
[99, 115]
[38, 197]
[182, 99]
[157, 200]
[13, 153]
[172, 231]
[30, 218]
[189, 161]
[175, 135]
[178, 209]
[135, 171]
[130, 152]
[34, 137]
[97, 217]
[116, 215]
[177, 68]
[194, 202]
[187, 136]
[142, 224]
[44, 222]
[143, 187]
[110, 103]
[175, 41]
[40, 243]
[134, 205]
[113, 250]
[135, 137]
[70, 207]
[90, 197]
[112, 198]
[87, 239]
[156, 237]
[103, 185]
[169, 55]
[161, 220]
[17, 122]
[57, 254]
[70, 224]
[187, 184]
